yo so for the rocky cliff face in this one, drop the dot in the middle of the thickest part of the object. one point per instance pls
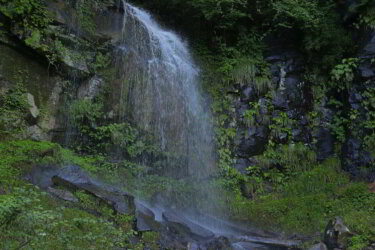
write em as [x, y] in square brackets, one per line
[59, 62]
[306, 117]
[69, 61]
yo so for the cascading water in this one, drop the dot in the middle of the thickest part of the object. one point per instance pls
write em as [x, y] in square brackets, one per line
[160, 93]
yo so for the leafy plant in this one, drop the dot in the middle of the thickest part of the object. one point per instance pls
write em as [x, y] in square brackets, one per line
[344, 73]
[251, 115]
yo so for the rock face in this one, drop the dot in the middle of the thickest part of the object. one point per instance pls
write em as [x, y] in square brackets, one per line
[90, 88]
[33, 109]
[336, 234]
[355, 153]
[294, 97]
[36, 133]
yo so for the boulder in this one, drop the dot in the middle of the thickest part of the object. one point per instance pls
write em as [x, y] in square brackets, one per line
[121, 203]
[74, 64]
[366, 71]
[145, 217]
[242, 164]
[73, 178]
[36, 133]
[319, 246]
[269, 241]
[336, 234]
[253, 142]
[219, 243]
[192, 228]
[90, 88]
[248, 94]
[62, 194]
[249, 246]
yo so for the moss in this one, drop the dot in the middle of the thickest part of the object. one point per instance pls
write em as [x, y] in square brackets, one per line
[93, 203]
[151, 240]
[30, 218]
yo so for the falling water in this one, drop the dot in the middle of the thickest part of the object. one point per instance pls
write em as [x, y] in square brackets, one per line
[160, 89]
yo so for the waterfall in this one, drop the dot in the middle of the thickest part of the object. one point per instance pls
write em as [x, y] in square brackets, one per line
[160, 92]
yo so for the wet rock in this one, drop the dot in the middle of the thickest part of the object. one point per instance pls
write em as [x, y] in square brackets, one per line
[280, 101]
[249, 246]
[36, 133]
[49, 122]
[121, 203]
[336, 234]
[369, 49]
[74, 64]
[144, 216]
[33, 109]
[366, 71]
[72, 177]
[241, 108]
[354, 157]
[324, 143]
[62, 194]
[219, 243]
[297, 134]
[270, 241]
[143, 224]
[253, 142]
[242, 164]
[90, 88]
[41, 176]
[192, 246]
[319, 246]
[196, 230]
[248, 94]
[355, 97]
[60, 11]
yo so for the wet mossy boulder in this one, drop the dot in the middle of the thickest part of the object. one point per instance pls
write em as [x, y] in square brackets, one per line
[336, 234]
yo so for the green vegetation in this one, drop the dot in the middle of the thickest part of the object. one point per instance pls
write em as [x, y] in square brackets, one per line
[96, 137]
[13, 106]
[30, 218]
[285, 188]
[292, 191]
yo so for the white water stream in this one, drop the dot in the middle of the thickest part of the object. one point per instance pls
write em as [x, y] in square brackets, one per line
[160, 92]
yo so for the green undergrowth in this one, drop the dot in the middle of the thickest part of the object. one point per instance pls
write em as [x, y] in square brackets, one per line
[294, 193]
[31, 219]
